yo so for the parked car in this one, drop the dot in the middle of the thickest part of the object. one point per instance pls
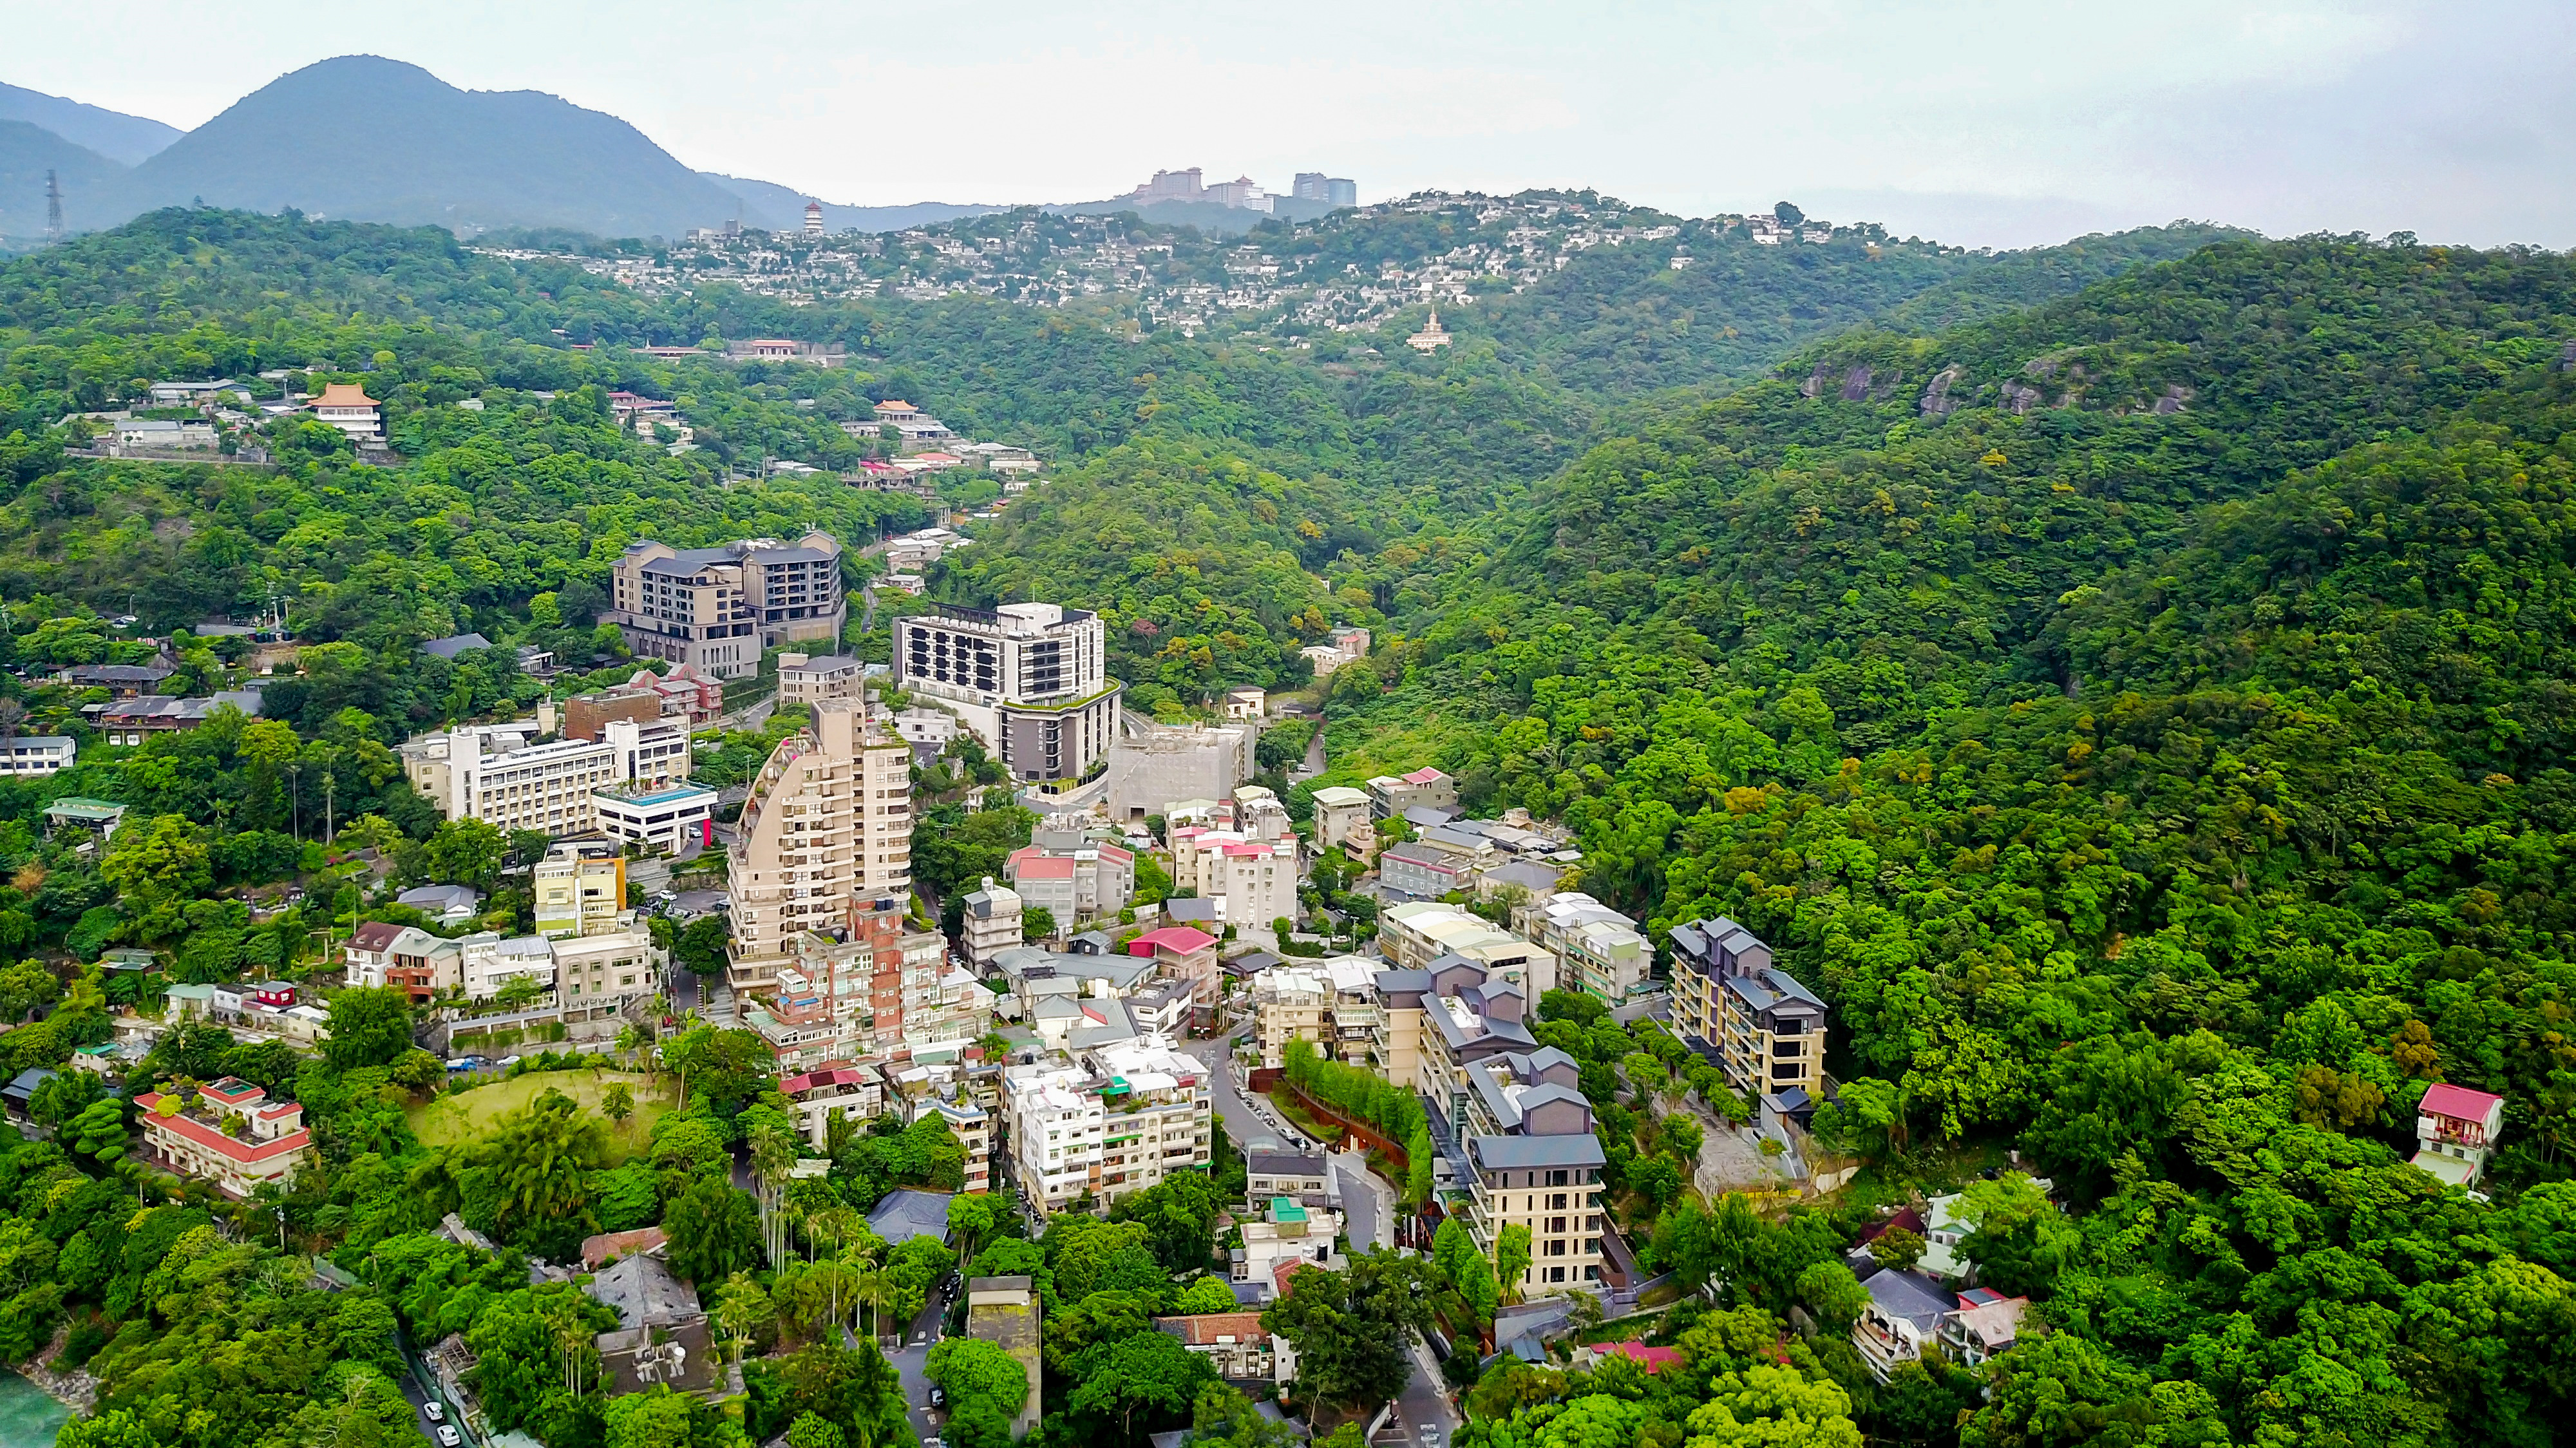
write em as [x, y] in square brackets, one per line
[938, 1396]
[447, 1436]
[433, 1412]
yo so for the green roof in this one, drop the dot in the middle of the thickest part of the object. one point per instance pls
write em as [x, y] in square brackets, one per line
[72, 807]
[1284, 1209]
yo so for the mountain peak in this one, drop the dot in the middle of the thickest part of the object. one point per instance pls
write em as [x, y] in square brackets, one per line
[468, 160]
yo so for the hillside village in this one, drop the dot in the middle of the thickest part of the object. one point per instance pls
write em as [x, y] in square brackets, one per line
[1347, 272]
[1224, 818]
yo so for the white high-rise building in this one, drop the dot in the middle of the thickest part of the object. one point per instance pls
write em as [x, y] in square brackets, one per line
[1031, 679]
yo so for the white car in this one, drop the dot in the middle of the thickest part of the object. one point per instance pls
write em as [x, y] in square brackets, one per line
[447, 1436]
[433, 1412]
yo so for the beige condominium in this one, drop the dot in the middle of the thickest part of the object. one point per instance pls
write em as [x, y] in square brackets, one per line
[829, 820]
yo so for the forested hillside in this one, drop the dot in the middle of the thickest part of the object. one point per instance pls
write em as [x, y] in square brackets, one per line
[2144, 718]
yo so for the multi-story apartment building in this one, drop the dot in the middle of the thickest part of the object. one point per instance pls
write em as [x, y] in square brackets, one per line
[1342, 818]
[1186, 954]
[808, 679]
[1534, 1162]
[491, 962]
[1071, 876]
[1333, 1003]
[29, 755]
[973, 1126]
[496, 775]
[614, 965]
[1056, 1125]
[1760, 1024]
[667, 817]
[1467, 1017]
[990, 921]
[828, 821]
[1415, 935]
[1598, 950]
[1030, 679]
[1390, 795]
[718, 608]
[580, 889]
[1290, 1003]
[1131, 1115]
[856, 1093]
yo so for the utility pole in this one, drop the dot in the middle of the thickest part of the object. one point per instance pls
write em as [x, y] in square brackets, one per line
[53, 207]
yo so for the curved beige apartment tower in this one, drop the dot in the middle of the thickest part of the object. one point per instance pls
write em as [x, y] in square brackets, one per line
[829, 820]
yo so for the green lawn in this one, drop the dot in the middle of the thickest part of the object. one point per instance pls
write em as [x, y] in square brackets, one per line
[452, 1119]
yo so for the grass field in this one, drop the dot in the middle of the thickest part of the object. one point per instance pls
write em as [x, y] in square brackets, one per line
[452, 1119]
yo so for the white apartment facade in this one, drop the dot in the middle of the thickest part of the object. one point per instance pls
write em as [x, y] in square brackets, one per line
[1030, 679]
[1137, 1113]
[494, 775]
[491, 962]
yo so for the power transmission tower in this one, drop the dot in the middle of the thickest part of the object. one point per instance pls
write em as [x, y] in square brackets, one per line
[53, 207]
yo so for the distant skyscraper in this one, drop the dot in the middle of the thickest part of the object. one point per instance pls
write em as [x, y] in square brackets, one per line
[1331, 190]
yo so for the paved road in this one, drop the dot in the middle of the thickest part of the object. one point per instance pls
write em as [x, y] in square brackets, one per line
[1422, 1409]
[416, 1392]
[908, 1361]
[1243, 1120]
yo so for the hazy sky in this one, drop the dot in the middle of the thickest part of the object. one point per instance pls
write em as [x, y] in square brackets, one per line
[1997, 124]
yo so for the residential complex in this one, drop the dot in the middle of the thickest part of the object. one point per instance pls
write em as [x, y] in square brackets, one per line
[1117, 1123]
[1342, 818]
[1534, 1162]
[828, 821]
[498, 774]
[1332, 1003]
[1760, 1024]
[990, 922]
[1240, 853]
[1072, 876]
[718, 608]
[1028, 678]
[1415, 935]
[1390, 795]
[803, 679]
[230, 1134]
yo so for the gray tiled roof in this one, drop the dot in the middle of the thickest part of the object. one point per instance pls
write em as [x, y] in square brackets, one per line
[1910, 1295]
[1512, 1153]
[905, 1214]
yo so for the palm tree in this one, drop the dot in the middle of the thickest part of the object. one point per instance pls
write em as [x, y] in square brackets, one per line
[871, 1288]
[773, 1156]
